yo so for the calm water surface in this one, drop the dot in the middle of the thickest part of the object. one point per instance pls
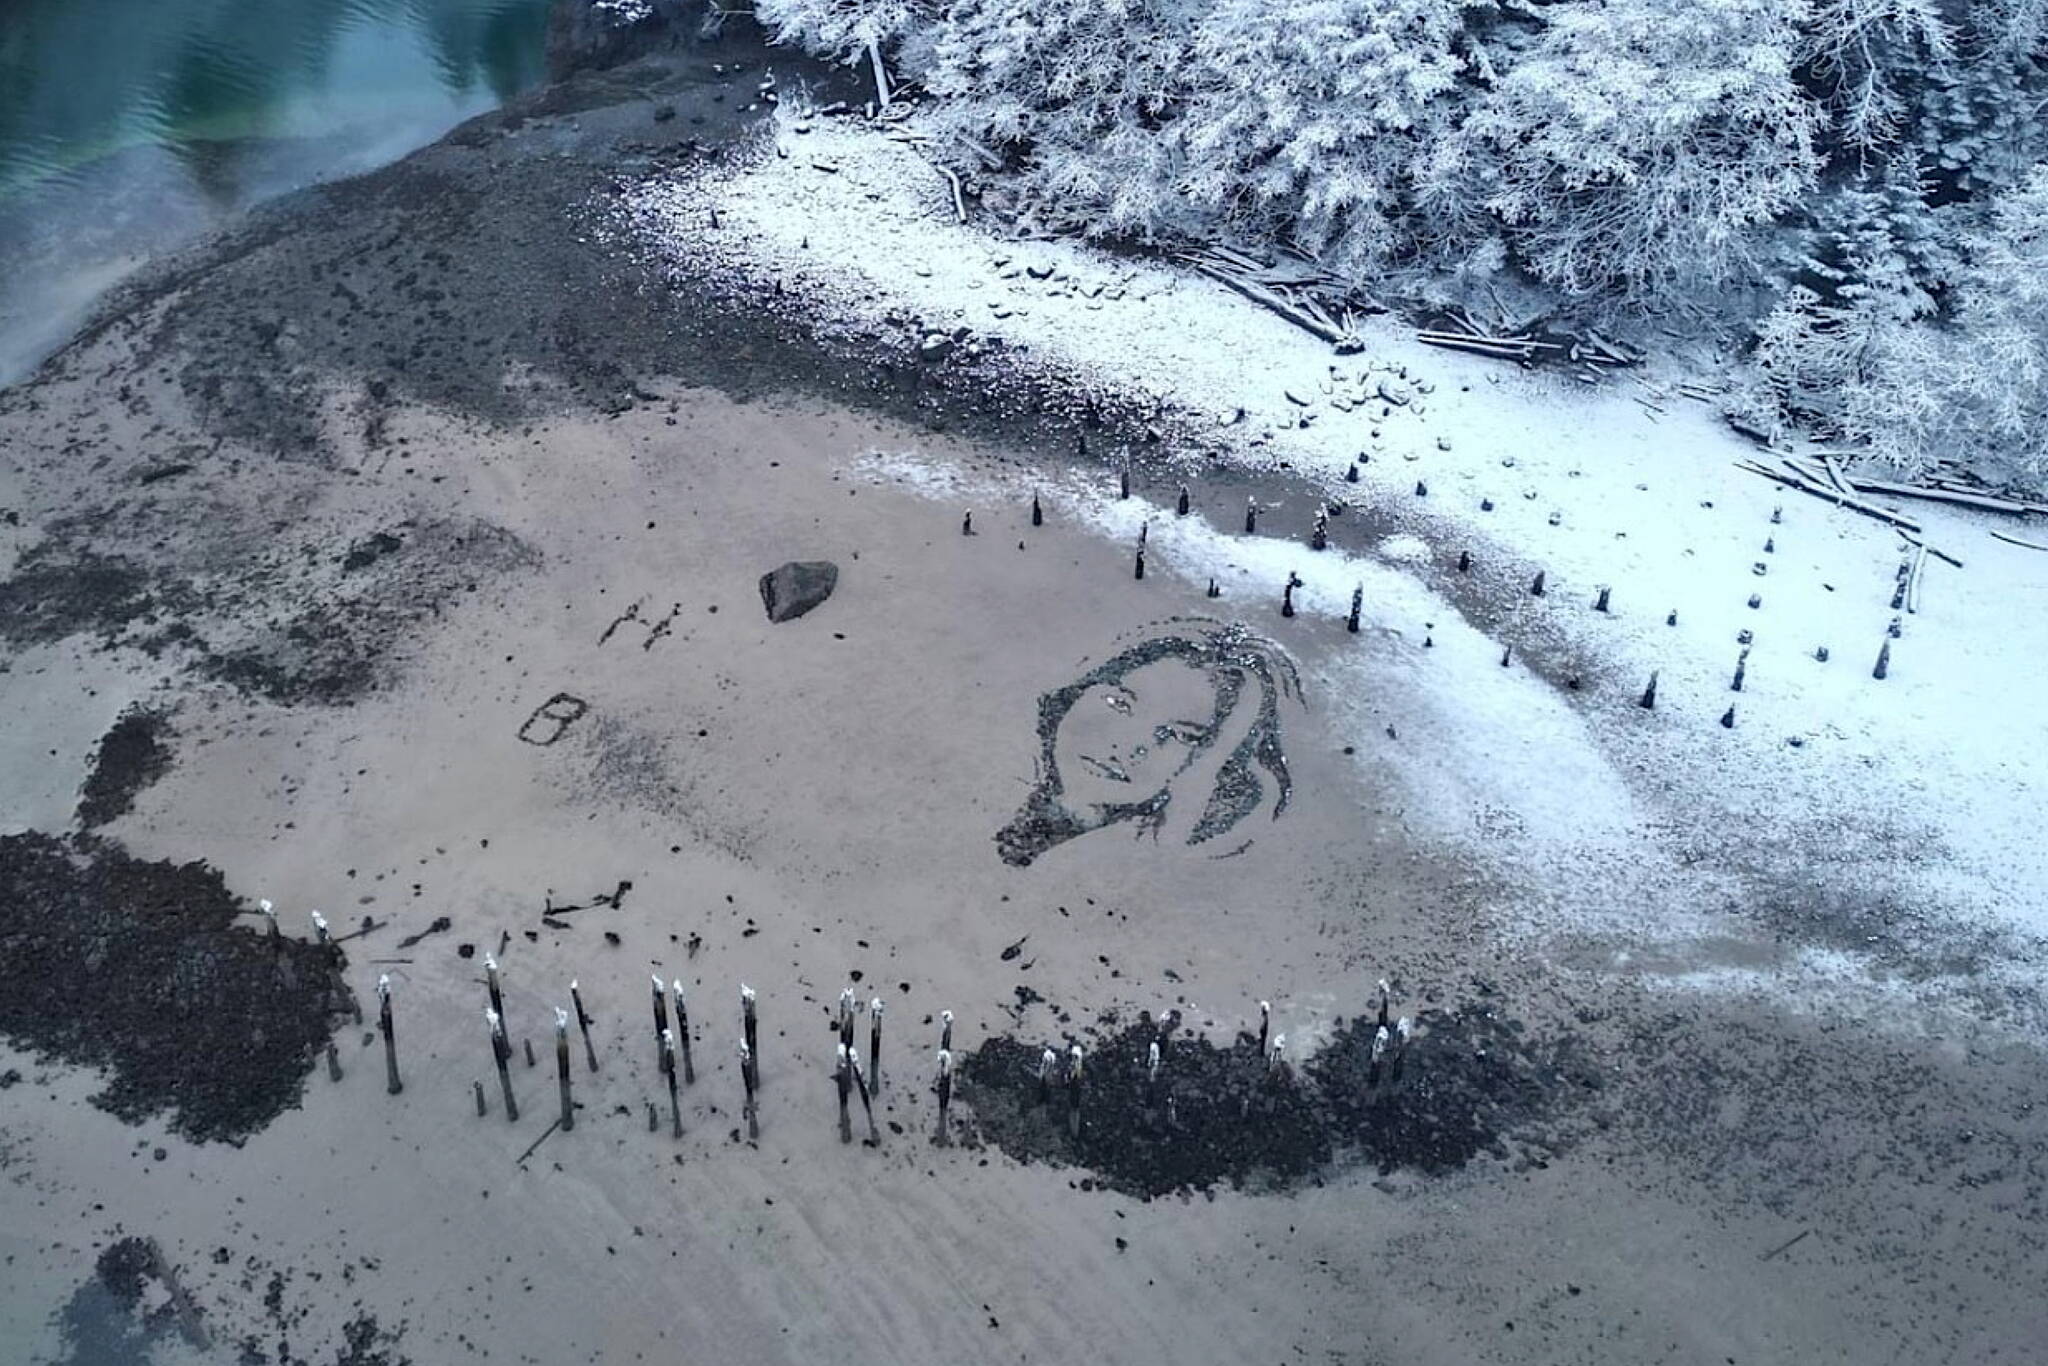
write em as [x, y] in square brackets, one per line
[130, 127]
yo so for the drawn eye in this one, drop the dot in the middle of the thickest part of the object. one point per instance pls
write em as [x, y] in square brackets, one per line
[1118, 701]
[1186, 732]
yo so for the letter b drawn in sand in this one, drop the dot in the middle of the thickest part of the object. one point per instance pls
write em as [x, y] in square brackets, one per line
[551, 718]
[1187, 707]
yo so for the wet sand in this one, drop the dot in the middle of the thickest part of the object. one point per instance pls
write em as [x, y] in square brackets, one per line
[409, 522]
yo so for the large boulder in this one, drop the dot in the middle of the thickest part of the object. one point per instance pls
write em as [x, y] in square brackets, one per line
[797, 587]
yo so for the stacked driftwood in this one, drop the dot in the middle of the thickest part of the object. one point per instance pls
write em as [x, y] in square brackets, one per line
[1296, 288]
[1588, 354]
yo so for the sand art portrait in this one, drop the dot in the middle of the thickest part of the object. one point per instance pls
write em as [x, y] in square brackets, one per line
[1190, 708]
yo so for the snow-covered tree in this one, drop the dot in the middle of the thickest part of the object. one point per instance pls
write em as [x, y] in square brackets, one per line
[1639, 143]
[1306, 116]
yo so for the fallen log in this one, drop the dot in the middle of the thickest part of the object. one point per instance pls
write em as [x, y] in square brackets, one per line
[2015, 540]
[1259, 294]
[1975, 500]
[1798, 481]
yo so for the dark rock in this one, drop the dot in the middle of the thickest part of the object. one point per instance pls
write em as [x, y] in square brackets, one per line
[797, 587]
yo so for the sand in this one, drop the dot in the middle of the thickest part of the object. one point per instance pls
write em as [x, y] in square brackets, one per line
[351, 608]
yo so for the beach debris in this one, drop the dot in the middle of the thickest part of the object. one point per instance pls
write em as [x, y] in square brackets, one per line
[562, 1068]
[392, 1085]
[583, 1023]
[793, 589]
[501, 1053]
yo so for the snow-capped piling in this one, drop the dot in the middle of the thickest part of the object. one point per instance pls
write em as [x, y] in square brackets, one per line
[562, 1068]
[321, 937]
[276, 935]
[491, 985]
[1380, 1039]
[683, 1032]
[501, 1053]
[1404, 1030]
[1074, 1092]
[1319, 533]
[1047, 1061]
[875, 1041]
[1251, 516]
[945, 1088]
[583, 1024]
[749, 1030]
[392, 1085]
[945, 1031]
[1265, 1024]
[660, 994]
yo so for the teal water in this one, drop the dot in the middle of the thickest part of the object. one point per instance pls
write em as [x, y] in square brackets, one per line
[130, 127]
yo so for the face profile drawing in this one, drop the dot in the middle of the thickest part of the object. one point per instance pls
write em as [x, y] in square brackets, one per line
[1180, 730]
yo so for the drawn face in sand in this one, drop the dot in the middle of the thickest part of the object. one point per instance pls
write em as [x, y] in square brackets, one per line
[1190, 708]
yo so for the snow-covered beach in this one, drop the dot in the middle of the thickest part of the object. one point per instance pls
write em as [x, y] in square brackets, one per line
[425, 520]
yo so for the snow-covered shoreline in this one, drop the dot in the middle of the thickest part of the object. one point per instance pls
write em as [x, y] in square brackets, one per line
[1909, 800]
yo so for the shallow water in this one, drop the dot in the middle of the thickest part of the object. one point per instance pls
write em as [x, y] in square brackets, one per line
[128, 129]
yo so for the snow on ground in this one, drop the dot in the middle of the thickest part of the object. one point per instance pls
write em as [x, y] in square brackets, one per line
[1922, 789]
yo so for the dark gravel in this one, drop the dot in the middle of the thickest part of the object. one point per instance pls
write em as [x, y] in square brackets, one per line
[139, 968]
